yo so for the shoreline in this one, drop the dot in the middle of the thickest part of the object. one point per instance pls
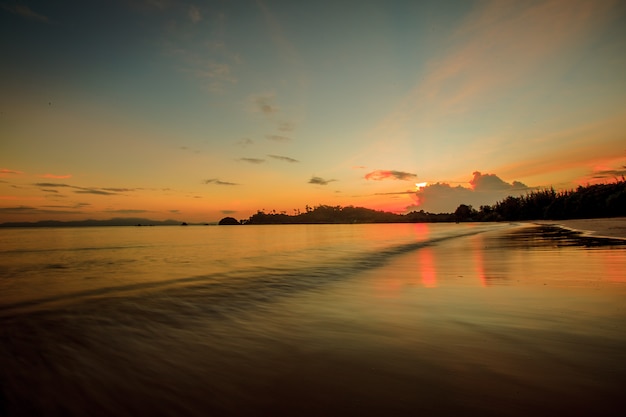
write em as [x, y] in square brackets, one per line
[608, 228]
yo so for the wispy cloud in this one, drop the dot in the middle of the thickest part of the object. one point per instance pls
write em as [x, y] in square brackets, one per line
[252, 160]
[228, 211]
[218, 182]
[217, 74]
[245, 142]
[94, 191]
[59, 177]
[187, 148]
[209, 61]
[320, 181]
[610, 173]
[217, 71]
[283, 158]
[194, 14]
[278, 138]
[494, 51]
[278, 36]
[265, 103]
[286, 127]
[267, 106]
[589, 146]
[46, 186]
[73, 206]
[5, 171]
[25, 12]
[397, 193]
[120, 190]
[381, 174]
[26, 210]
[52, 184]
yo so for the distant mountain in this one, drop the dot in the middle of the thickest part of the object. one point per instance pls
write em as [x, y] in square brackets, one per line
[119, 221]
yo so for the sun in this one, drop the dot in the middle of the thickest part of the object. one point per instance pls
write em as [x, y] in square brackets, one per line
[420, 185]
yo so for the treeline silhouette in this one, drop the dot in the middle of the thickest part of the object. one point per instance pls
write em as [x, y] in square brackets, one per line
[324, 214]
[591, 201]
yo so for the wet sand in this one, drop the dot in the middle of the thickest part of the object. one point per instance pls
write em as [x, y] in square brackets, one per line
[609, 228]
[487, 325]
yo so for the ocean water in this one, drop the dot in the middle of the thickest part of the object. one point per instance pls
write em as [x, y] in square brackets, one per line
[311, 320]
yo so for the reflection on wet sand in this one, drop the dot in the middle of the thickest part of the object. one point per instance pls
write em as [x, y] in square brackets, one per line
[490, 324]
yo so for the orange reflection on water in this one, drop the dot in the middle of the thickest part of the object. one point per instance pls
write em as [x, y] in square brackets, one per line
[421, 231]
[427, 267]
[614, 266]
[479, 260]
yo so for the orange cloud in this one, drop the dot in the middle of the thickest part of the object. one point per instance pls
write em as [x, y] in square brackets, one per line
[584, 148]
[5, 171]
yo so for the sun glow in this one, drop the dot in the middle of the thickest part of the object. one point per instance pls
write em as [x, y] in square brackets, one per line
[420, 185]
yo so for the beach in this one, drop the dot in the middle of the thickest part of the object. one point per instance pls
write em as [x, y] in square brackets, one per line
[489, 320]
[611, 227]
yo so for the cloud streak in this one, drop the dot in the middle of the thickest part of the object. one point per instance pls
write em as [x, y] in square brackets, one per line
[194, 14]
[94, 191]
[25, 12]
[5, 171]
[218, 182]
[265, 104]
[381, 174]
[283, 158]
[52, 184]
[278, 138]
[49, 186]
[286, 127]
[495, 53]
[610, 173]
[320, 181]
[27, 210]
[245, 142]
[256, 161]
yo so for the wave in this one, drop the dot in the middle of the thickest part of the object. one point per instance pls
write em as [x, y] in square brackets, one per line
[78, 249]
[245, 286]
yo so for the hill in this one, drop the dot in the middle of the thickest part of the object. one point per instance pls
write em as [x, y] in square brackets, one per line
[118, 221]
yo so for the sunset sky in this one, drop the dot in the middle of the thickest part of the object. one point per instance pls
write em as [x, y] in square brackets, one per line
[204, 109]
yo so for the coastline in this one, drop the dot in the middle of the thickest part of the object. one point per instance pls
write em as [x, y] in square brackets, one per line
[609, 228]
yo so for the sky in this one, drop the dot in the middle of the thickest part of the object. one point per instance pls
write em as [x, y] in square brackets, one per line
[198, 110]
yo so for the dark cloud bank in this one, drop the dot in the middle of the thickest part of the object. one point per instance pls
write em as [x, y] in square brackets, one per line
[486, 189]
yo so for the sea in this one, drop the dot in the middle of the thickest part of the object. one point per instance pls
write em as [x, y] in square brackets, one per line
[470, 319]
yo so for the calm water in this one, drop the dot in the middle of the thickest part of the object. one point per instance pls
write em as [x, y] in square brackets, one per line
[410, 319]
